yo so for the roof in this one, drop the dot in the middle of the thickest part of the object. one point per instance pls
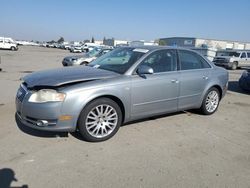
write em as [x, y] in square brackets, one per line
[151, 48]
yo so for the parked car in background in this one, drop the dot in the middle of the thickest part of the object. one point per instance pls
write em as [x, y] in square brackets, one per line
[76, 49]
[88, 46]
[233, 59]
[85, 58]
[66, 46]
[50, 45]
[244, 81]
[8, 44]
[98, 98]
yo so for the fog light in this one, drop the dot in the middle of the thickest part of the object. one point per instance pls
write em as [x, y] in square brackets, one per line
[65, 118]
[42, 123]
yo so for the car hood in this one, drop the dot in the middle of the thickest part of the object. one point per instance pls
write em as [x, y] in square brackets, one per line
[62, 76]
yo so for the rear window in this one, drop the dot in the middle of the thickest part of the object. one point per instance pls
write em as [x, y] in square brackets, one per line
[190, 60]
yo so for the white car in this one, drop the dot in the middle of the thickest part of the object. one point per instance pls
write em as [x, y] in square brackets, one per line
[85, 58]
[8, 43]
[76, 49]
[233, 59]
[88, 46]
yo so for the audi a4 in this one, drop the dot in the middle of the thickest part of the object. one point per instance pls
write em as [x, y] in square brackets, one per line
[128, 83]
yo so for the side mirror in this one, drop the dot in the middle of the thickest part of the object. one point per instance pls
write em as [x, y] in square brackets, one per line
[144, 69]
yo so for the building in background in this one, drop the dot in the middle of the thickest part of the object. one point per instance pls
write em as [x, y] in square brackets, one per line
[204, 43]
[142, 43]
[207, 47]
[115, 43]
[99, 42]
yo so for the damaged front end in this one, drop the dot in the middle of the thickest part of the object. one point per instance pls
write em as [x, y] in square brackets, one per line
[45, 100]
[41, 108]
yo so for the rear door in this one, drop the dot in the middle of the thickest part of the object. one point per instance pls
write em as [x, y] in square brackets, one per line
[194, 76]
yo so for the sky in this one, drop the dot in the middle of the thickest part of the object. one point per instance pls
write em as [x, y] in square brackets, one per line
[47, 20]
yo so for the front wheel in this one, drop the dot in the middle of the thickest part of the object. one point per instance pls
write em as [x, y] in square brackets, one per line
[234, 66]
[100, 120]
[12, 48]
[84, 63]
[211, 101]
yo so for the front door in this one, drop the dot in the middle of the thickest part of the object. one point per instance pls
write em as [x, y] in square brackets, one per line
[243, 61]
[156, 93]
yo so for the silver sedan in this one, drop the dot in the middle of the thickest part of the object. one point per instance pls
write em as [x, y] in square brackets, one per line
[125, 84]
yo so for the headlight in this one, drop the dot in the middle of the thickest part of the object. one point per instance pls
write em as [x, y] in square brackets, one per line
[230, 60]
[47, 95]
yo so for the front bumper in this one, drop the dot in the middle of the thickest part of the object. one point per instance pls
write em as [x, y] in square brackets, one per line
[225, 64]
[34, 114]
[66, 63]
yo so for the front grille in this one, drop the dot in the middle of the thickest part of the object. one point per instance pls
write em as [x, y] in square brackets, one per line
[21, 93]
[220, 60]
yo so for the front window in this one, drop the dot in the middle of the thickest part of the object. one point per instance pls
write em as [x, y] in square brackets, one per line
[118, 60]
[231, 54]
[243, 55]
[161, 61]
[7, 41]
[234, 54]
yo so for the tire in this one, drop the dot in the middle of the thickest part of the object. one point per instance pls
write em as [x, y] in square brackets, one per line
[209, 104]
[12, 48]
[84, 63]
[94, 126]
[234, 66]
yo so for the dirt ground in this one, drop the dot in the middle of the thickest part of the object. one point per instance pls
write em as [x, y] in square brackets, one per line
[178, 150]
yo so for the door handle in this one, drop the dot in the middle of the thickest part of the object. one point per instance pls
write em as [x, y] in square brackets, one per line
[205, 77]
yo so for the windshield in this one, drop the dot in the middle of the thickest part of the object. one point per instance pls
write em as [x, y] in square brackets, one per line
[235, 54]
[118, 60]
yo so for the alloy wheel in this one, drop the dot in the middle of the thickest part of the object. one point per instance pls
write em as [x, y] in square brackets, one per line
[101, 121]
[212, 101]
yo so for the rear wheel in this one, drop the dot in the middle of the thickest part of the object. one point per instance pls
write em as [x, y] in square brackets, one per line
[100, 120]
[211, 101]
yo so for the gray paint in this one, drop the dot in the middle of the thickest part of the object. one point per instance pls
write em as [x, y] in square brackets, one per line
[57, 77]
[150, 95]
